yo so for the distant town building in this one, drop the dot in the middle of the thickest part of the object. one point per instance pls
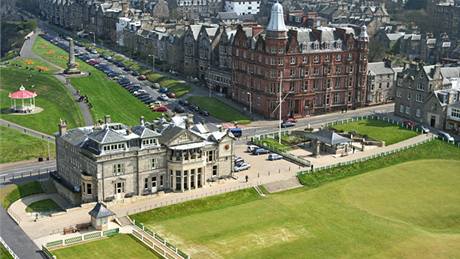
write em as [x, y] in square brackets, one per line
[380, 79]
[242, 7]
[114, 161]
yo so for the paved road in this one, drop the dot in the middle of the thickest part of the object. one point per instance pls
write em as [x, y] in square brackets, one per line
[16, 239]
[26, 52]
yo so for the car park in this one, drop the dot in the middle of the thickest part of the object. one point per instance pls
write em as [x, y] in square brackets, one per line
[445, 136]
[241, 167]
[183, 102]
[260, 151]
[163, 90]
[274, 156]
[163, 97]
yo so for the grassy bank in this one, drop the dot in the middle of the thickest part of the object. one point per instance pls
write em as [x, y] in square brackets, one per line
[219, 109]
[13, 192]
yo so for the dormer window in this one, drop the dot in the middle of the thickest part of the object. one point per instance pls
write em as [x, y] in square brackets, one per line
[149, 142]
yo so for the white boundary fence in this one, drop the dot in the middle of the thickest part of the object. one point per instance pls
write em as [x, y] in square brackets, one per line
[8, 248]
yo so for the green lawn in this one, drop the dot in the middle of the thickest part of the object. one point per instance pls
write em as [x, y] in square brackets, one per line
[407, 210]
[175, 86]
[273, 143]
[16, 146]
[378, 130]
[4, 254]
[118, 246]
[47, 205]
[12, 192]
[106, 96]
[53, 97]
[432, 150]
[219, 109]
[35, 64]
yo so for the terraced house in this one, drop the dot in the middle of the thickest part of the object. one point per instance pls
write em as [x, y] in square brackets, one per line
[113, 161]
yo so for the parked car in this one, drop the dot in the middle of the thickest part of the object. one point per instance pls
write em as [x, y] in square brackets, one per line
[237, 132]
[160, 109]
[287, 124]
[204, 113]
[238, 160]
[194, 108]
[251, 148]
[291, 120]
[274, 156]
[183, 102]
[156, 86]
[260, 151]
[445, 136]
[141, 77]
[179, 109]
[163, 97]
[171, 95]
[424, 129]
[241, 167]
[163, 90]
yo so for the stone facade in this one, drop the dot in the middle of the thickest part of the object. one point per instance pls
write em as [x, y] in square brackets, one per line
[380, 80]
[112, 161]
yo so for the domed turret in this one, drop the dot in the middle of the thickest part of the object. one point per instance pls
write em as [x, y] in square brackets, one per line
[276, 19]
[363, 35]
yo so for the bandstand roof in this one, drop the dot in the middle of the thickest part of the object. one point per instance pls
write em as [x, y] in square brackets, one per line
[22, 93]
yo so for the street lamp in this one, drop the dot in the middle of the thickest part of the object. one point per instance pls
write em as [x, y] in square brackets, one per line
[281, 100]
[153, 62]
[94, 37]
[250, 103]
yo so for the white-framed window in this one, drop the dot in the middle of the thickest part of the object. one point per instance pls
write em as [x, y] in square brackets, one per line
[401, 108]
[417, 113]
[418, 98]
[316, 59]
[455, 112]
[420, 86]
[398, 93]
[350, 57]
[281, 61]
[153, 163]
[292, 60]
[407, 110]
[214, 170]
[305, 59]
[118, 169]
[409, 96]
[338, 57]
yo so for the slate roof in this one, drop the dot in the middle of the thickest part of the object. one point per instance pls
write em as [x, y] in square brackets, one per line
[100, 211]
[170, 133]
[105, 136]
[379, 68]
[328, 137]
[144, 132]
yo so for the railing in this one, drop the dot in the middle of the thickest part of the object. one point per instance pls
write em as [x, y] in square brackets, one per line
[7, 247]
[75, 240]
[157, 243]
[39, 174]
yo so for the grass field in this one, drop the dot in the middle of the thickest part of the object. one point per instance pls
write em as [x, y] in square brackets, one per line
[56, 101]
[47, 205]
[12, 192]
[118, 246]
[4, 253]
[106, 96]
[407, 210]
[219, 109]
[175, 86]
[16, 146]
[35, 64]
[378, 130]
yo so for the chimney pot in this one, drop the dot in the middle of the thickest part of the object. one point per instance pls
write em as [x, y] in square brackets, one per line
[107, 119]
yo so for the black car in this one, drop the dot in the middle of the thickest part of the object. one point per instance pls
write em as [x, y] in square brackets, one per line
[134, 73]
[204, 113]
[194, 108]
[184, 102]
[179, 109]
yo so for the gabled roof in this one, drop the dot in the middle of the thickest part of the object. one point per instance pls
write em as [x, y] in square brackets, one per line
[328, 137]
[379, 68]
[144, 132]
[106, 135]
[170, 133]
[100, 211]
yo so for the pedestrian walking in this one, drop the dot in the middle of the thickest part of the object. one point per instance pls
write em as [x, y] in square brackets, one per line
[311, 168]
[247, 178]
[354, 149]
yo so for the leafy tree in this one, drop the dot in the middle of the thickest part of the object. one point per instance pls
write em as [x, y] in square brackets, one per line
[376, 51]
[415, 4]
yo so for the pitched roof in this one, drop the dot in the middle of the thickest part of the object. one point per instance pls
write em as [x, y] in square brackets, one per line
[106, 135]
[328, 137]
[144, 132]
[379, 68]
[100, 211]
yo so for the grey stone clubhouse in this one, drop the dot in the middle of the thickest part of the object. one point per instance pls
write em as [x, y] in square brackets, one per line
[113, 161]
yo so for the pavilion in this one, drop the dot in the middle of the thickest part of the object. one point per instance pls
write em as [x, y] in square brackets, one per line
[22, 101]
[328, 141]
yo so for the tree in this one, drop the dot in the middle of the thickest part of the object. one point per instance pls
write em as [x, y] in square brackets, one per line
[415, 4]
[376, 51]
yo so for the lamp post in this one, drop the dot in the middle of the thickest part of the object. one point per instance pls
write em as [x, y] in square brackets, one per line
[250, 103]
[280, 103]
[153, 62]
[94, 37]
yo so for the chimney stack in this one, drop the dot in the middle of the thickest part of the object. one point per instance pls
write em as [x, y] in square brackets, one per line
[124, 7]
[62, 127]
[189, 121]
[107, 119]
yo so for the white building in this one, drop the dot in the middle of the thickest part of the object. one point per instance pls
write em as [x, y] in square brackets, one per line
[242, 7]
[122, 23]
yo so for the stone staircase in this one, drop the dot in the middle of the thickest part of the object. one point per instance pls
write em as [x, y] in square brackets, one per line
[283, 185]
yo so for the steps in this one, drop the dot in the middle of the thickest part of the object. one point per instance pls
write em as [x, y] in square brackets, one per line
[283, 185]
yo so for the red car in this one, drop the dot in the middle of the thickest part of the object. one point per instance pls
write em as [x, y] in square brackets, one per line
[142, 77]
[171, 95]
[160, 109]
